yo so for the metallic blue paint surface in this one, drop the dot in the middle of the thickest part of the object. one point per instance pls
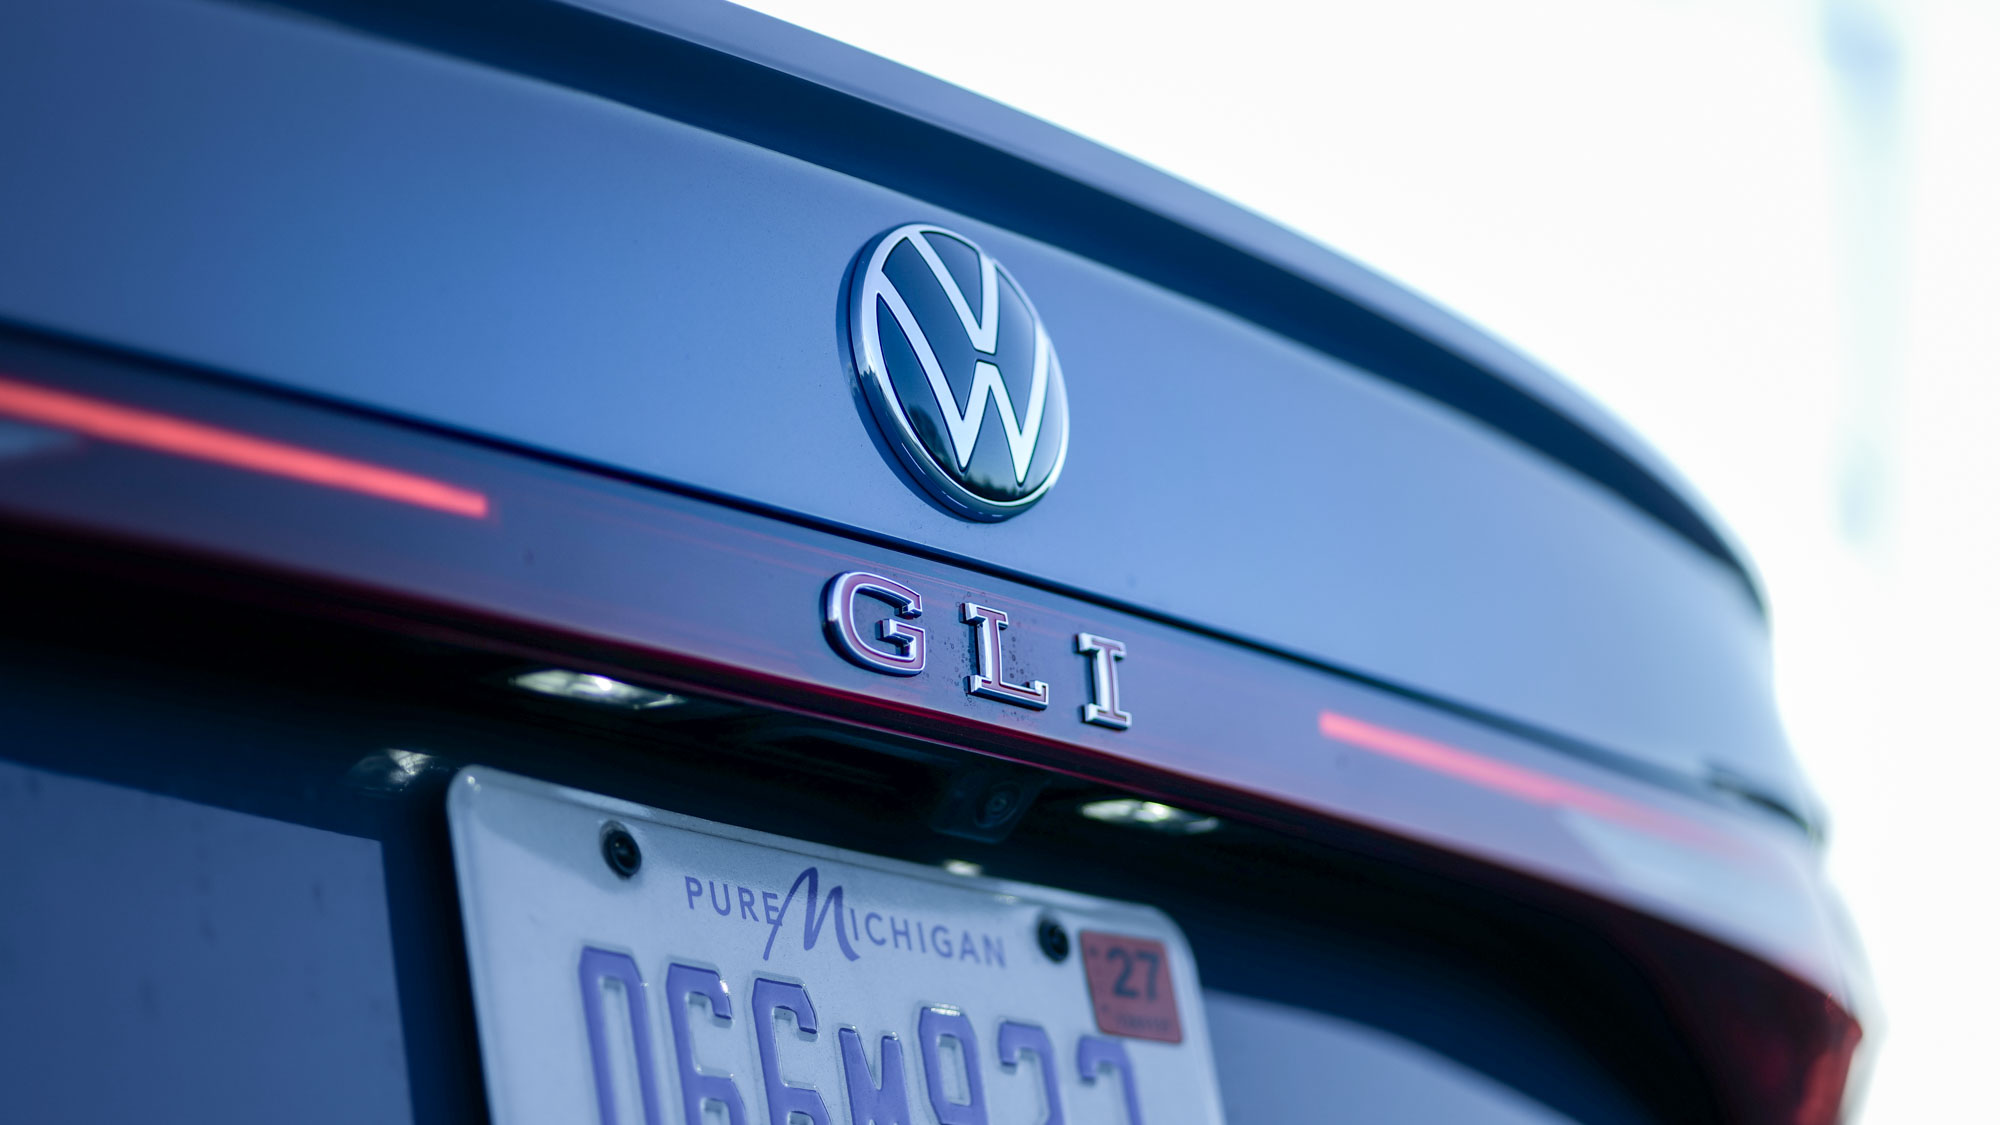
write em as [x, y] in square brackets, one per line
[321, 210]
[170, 961]
[618, 316]
[1279, 1063]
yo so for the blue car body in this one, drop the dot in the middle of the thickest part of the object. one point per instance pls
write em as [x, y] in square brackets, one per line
[355, 355]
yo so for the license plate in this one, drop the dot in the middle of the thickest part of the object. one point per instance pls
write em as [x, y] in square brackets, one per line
[739, 978]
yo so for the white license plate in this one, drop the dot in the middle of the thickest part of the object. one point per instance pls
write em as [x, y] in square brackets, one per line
[740, 978]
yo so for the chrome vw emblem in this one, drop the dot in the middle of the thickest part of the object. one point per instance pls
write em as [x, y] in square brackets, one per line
[958, 370]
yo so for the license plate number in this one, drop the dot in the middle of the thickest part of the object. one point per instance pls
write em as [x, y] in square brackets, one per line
[636, 966]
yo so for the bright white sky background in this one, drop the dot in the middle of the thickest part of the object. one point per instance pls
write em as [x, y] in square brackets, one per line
[1764, 232]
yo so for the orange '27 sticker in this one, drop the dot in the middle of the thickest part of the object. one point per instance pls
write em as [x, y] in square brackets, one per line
[1131, 986]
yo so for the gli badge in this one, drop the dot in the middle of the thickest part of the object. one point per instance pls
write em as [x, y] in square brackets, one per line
[958, 371]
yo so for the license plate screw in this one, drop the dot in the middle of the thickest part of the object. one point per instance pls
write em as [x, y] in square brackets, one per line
[1054, 941]
[621, 851]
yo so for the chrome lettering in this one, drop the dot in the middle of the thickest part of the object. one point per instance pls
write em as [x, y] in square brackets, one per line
[1104, 654]
[988, 679]
[843, 627]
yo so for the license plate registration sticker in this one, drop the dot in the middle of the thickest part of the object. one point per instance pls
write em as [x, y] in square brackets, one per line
[641, 967]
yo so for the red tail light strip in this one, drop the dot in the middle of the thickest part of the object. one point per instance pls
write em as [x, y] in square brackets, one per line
[1509, 779]
[164, 433]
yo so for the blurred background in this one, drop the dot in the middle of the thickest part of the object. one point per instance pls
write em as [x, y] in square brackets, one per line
[1760, 231]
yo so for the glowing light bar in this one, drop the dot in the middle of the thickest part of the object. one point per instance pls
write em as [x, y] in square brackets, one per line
[1150, 814]
[164, 433]
[1506, 778]
[589, 687]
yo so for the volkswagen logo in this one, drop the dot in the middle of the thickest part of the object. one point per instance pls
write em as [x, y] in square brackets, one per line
[958, 371]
